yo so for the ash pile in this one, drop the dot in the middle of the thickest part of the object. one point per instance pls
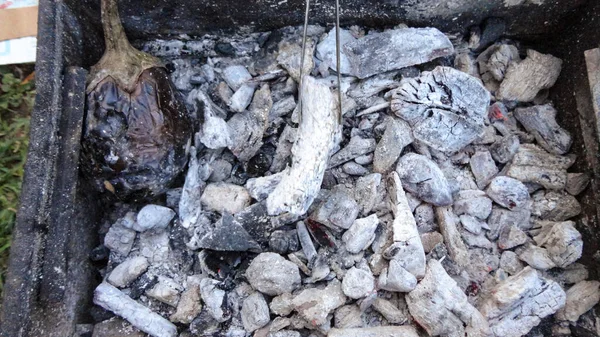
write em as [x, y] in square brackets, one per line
[442, 205]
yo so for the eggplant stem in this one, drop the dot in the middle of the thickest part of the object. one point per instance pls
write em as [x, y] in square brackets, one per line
[114, 34]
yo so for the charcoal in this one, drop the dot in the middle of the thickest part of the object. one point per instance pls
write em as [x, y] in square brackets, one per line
[500, 60]
[397, 135]
[348, 316]
[518, 304]
[475, 240]
[473, 203]
[356, 147]
[571, 274]
[166, 291]
[365, 192]
[314, 305]
[508, 192]
[282, 304]
[448, 126]
[153, 217]
[581, 297]
[388, 331]
[215, 133]
[358, 283]
[339, 210]
[425, 218]
[308, 246]
[510, 263]
[114, 327]
[536, 257]
[483, 168]
[409, 249]
[523, 80]
[289, 58]
[214, 299]
[255, 312]
[284, 149]
[540, 120]
[555, 206]
[424, 178]
[99, 254]
[563, 242]
[226, 235]
[439, 306]
[235, 76]
[248, 127]
[204, 325]
[221, 170]
[154, 246]
[361, 234]
[504, 149]
[396, 278]
[388, 310]
[510, 237]
[119, 239]
[189, 305]
[189, 207]
[127, 271]
[315, 141]
[576, 183]
[394, 49]
[272, 274]
[472, 224]
[492, 29]
[326, 50]
[500, 218]
[430, 240]
[138, 315]
[225, 197]
[354, 169]
[452, 238]
[465, 63]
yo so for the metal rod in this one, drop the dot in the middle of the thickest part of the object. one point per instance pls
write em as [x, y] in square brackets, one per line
[306, 12]
[337, 58]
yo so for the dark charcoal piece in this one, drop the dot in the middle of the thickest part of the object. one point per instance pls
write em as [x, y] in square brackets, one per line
[99, 253]
[98, 314]
[225, 49]
[204, 325]
[136, 142]
[278, 242]
[259, 164]
[141, 284]
[492, 30]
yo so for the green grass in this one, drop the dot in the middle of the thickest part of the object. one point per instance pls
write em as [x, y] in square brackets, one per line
[16, 102]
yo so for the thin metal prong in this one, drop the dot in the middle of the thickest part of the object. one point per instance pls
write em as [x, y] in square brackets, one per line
[306, 12]
[337, 58]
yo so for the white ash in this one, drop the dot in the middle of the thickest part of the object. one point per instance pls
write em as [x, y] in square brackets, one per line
[288, 224]
[519, 303]
[581, 297]
[523, 80]
[445, 107]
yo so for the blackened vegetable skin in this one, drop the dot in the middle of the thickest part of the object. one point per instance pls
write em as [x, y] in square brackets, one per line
[135, 143]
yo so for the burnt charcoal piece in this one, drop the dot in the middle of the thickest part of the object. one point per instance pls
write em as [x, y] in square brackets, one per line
[259, 164]
[141, 284]
[99, 253]
[225, 49]
[137, 127]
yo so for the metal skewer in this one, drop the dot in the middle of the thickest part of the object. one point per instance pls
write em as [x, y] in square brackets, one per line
[337, 57]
